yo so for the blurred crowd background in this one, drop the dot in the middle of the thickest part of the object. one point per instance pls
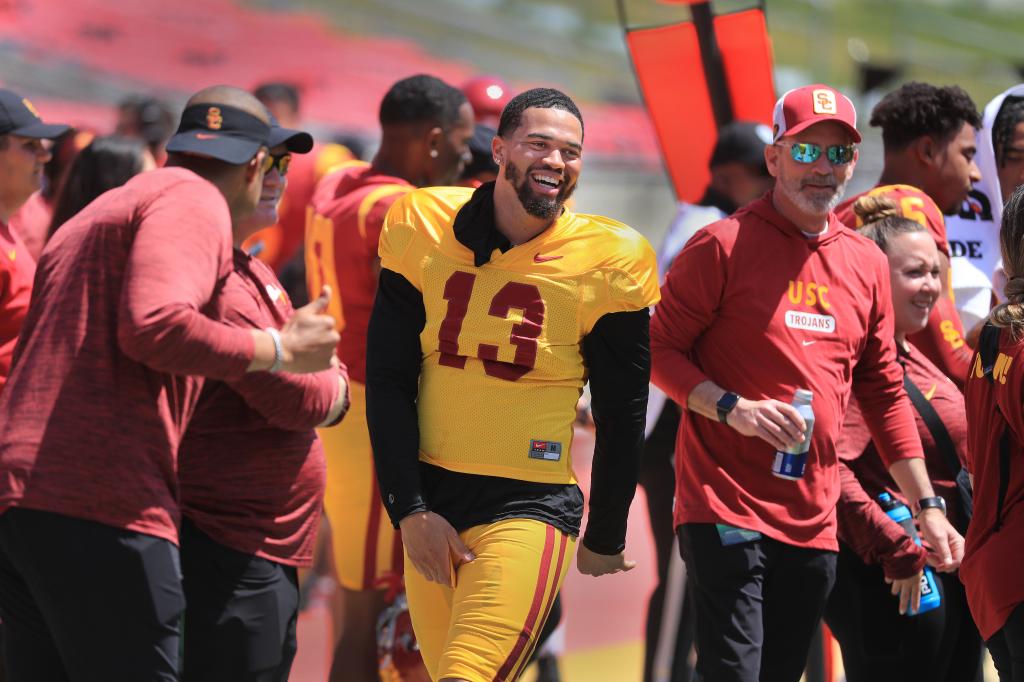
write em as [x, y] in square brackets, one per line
[78, 60]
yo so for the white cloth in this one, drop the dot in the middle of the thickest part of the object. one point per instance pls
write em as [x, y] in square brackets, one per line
[688, 220]
[974, 233]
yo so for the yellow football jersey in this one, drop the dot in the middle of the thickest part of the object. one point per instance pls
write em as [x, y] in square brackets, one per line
[502, 362]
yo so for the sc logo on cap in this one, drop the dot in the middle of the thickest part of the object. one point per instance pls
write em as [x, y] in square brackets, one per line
[214, 120]
[824, 102]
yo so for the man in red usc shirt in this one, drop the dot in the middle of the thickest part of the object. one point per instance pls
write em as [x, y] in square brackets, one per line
[929, 138]
[252, 476]
[22, 156]
[426, 125]
[105, 379]
[760, 549]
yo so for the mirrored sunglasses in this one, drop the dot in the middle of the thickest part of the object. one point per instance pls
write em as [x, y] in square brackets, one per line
[808, 152]
[282, 161]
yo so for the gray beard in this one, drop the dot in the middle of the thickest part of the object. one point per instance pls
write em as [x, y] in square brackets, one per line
[817, 205]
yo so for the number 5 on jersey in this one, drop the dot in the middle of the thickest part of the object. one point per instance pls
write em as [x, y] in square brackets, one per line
[458, 291]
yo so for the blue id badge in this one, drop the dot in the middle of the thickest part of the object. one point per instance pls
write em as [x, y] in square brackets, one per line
[731, 535]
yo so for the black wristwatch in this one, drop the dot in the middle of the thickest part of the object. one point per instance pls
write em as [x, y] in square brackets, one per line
[930, 503]
[725, 405]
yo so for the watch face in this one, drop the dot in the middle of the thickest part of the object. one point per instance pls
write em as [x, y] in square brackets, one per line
[725, 404]
[728, 401]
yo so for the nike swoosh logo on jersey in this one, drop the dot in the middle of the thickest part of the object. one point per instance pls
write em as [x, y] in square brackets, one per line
[544, 259]
[931, 392]
[808, 343]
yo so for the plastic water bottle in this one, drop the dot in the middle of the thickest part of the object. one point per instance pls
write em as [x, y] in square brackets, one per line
[898, 512]
[789, 464]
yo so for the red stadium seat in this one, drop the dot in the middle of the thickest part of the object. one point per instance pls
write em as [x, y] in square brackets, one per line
[155, 45]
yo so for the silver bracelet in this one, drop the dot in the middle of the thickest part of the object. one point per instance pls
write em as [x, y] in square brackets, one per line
[278, 349]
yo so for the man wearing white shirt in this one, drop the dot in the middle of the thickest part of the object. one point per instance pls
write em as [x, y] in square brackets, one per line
[974, 232]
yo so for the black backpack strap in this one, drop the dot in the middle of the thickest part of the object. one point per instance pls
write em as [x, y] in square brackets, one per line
[943, 441]
[988, 351]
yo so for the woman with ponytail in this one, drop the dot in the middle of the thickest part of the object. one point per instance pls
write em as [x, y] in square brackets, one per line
[879, 571]
[992, 567]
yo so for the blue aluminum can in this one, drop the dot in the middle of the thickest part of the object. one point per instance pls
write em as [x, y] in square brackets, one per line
[789, 464]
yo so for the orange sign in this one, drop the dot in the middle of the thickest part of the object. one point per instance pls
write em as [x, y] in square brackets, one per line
[671, 75]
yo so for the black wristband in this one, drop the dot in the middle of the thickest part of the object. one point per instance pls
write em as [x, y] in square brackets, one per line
[935, 502]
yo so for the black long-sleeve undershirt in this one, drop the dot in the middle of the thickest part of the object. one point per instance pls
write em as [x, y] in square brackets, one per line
[617, 355]
[392, 385]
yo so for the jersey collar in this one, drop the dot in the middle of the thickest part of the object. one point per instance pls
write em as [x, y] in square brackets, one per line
[475, 228]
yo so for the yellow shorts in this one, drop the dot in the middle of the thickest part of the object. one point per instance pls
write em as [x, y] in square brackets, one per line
[365, 545]
[485, 628]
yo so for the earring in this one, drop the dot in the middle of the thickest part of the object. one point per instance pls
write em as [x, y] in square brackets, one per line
[433, 153]
[497, 160]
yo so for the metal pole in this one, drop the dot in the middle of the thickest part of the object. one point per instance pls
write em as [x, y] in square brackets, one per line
[711, 58]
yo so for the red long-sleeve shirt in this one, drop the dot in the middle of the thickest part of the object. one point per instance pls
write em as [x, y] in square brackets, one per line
[17, 269]
[991, 569]
[863, 525]
[760, 309]
[251, 468]
[99, 397]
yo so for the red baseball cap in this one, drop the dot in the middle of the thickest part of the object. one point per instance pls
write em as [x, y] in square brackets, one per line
[800, 108]
[488, 96]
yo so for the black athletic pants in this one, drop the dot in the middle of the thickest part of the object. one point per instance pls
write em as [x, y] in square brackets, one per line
[758, 604]
[83, 601]
[880, 645]
[241, 613]
[658, 479]
[1007, 647]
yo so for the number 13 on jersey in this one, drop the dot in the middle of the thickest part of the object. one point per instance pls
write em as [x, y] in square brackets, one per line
[513, 296]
